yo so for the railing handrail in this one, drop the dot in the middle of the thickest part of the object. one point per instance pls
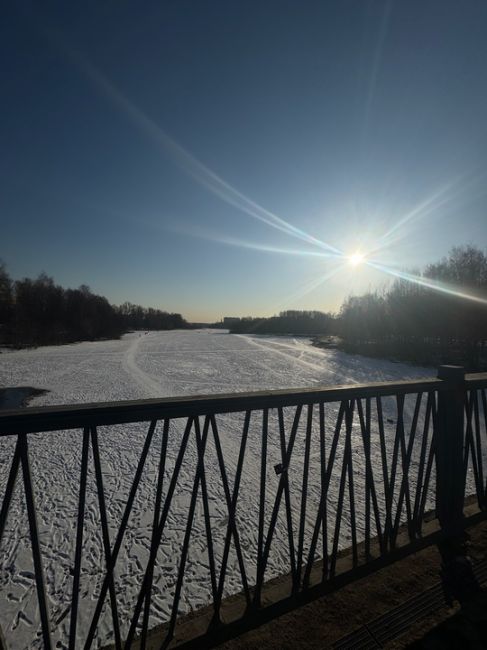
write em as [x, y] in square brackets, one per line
[76, 416]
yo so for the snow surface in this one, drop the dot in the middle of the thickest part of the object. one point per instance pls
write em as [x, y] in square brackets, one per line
[161, 364]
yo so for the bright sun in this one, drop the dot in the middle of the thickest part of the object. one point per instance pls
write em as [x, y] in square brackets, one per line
[356, 258]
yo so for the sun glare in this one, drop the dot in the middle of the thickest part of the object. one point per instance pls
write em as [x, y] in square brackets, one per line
[356, 258]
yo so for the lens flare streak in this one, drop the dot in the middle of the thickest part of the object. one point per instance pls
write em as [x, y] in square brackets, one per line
[428, 283]
[310, 286]
[461, 186]
[202, 174]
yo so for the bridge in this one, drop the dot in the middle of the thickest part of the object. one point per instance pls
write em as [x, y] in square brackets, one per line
[319, 486]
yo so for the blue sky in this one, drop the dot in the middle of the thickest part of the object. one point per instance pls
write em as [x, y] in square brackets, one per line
[190, 155]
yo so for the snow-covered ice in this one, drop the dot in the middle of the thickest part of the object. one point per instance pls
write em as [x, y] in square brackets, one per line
[162, 364]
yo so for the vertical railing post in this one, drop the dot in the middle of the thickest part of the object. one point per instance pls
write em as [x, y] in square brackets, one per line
[450, 484]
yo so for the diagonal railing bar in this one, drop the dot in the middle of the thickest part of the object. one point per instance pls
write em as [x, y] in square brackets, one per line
[324, 492]
[474, 419]
[373, 491]
[399, 460]
[351, 490]
[287, 498]
[34, 538]
[9, 490]
[404, 472]
[412, 438]
[385, 469]
[106, 546]
[157, 511]
[431, 458]
[79, 538]
[388, 530]
[206, 516]
[277, 502]
[324, 515]
[113, 554]
[422, 463]
[156, 540]
[232, 528]
[304, 493]
[478, 441]
[467, 440]
[365, 431]
[370, 494]
[483, 394]
[404, 492]
[370, 491]
[470, 447]
[260, 532]
[341, 489]
[201, 446]
[231, 501]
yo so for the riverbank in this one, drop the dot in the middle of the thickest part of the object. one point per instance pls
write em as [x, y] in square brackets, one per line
[416, 353]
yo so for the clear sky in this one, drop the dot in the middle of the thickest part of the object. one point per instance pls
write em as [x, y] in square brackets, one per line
[215, 157]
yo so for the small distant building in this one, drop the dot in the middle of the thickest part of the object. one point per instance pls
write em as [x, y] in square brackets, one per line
[228, 321]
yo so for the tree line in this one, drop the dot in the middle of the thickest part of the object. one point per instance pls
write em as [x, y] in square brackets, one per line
[414, 322]
[299, 323]
[40, 312]
[135, 317]
[407, 321]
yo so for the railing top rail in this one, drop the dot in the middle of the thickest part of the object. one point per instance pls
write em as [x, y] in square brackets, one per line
[55, 418]
[476, 380]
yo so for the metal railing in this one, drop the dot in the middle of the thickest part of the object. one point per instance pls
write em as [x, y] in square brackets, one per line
[318, 471]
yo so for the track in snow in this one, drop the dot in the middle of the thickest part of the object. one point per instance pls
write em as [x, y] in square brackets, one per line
[277, 348]
[149, 385]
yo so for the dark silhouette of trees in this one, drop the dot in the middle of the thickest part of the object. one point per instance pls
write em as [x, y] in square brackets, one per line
[137, 317]
[300, 323]
[39, 312]
[465, 266]
[420, 324]
[44, 313]
[89, 316]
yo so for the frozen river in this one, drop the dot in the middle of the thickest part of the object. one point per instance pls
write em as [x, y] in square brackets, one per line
[157, 364]
[184, 363]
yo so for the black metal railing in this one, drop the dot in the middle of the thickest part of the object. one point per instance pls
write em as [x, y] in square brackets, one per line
[304, 478]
